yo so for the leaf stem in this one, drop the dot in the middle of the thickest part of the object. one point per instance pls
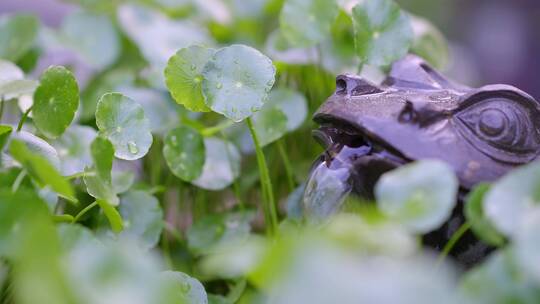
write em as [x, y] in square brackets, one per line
[80, 174]
[217, 128]
[18, 181]
[23, 119]
[2, 103]
[266, 183]
[83, 212]
[287, 164]
[453, 241]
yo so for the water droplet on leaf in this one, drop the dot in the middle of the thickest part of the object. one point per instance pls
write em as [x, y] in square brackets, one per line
[132, 147]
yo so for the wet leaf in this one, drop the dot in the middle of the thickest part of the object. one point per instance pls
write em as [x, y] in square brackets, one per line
[143, 217]
[93, 36]
[55, 101]
[270, 125]
[183, 76]
[98, 178]
[186, 289]
[17, 35]
[420, 195]
[307, 22]
[221, 166]
[512, 197]
[123, 122]
[382, 32]
[73, 149]
[474, 214]
[237, 80]
[41, 170]
[184, 152]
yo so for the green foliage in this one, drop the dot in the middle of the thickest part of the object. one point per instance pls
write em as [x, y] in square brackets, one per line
[475, 216]
[55, 101]
[237, 80]
[41, 170]
[183, 76]
[382, 32]
[123, 122]
[17, 35]
[185, 153]
[307, 22]
[98, 178]
[12, 82]
[421, 195]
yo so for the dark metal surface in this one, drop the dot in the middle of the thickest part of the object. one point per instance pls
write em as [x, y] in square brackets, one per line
[417, 113]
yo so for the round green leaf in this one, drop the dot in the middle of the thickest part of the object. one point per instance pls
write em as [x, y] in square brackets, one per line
[74, 149]
[474, 214]
[512, 197]
[183, 288]
[143, 217]
[55, 101]
[307, 22]
[429, 43]
[221, 167]
[237, 80]
[382, 31]
[123, 122]
[17, 35]
[183, 76]
[93, 36]
[420, 195]
[122, 180]
[184, 153]
[270, 125]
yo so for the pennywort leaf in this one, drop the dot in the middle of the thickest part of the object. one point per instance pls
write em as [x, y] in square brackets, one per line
[221, 166]
[123, 122]
[185, 153]
[55, 101]
[383, 32]
[474, 213]
[17, 35]
[307, 22]
[237, 80]
[98, 178]
[183, 76]
[143, 217]
[420, 195]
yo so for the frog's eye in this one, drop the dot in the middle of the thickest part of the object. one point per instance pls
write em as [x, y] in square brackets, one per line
[502, 128]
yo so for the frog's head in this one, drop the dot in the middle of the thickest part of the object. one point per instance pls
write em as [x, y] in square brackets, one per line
[416, 114]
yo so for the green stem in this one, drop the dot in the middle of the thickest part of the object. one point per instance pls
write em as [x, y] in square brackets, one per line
[80, 174]
[287, 164]
[2, 103]
[84, 211]
[266, 183]
[217, 128]
[23, 119]
[18, 181]
[453, 241]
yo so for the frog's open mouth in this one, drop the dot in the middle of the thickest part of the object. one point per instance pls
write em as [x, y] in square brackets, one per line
[365, 155]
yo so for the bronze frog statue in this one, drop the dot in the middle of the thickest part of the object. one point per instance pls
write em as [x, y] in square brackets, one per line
[417, 113]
